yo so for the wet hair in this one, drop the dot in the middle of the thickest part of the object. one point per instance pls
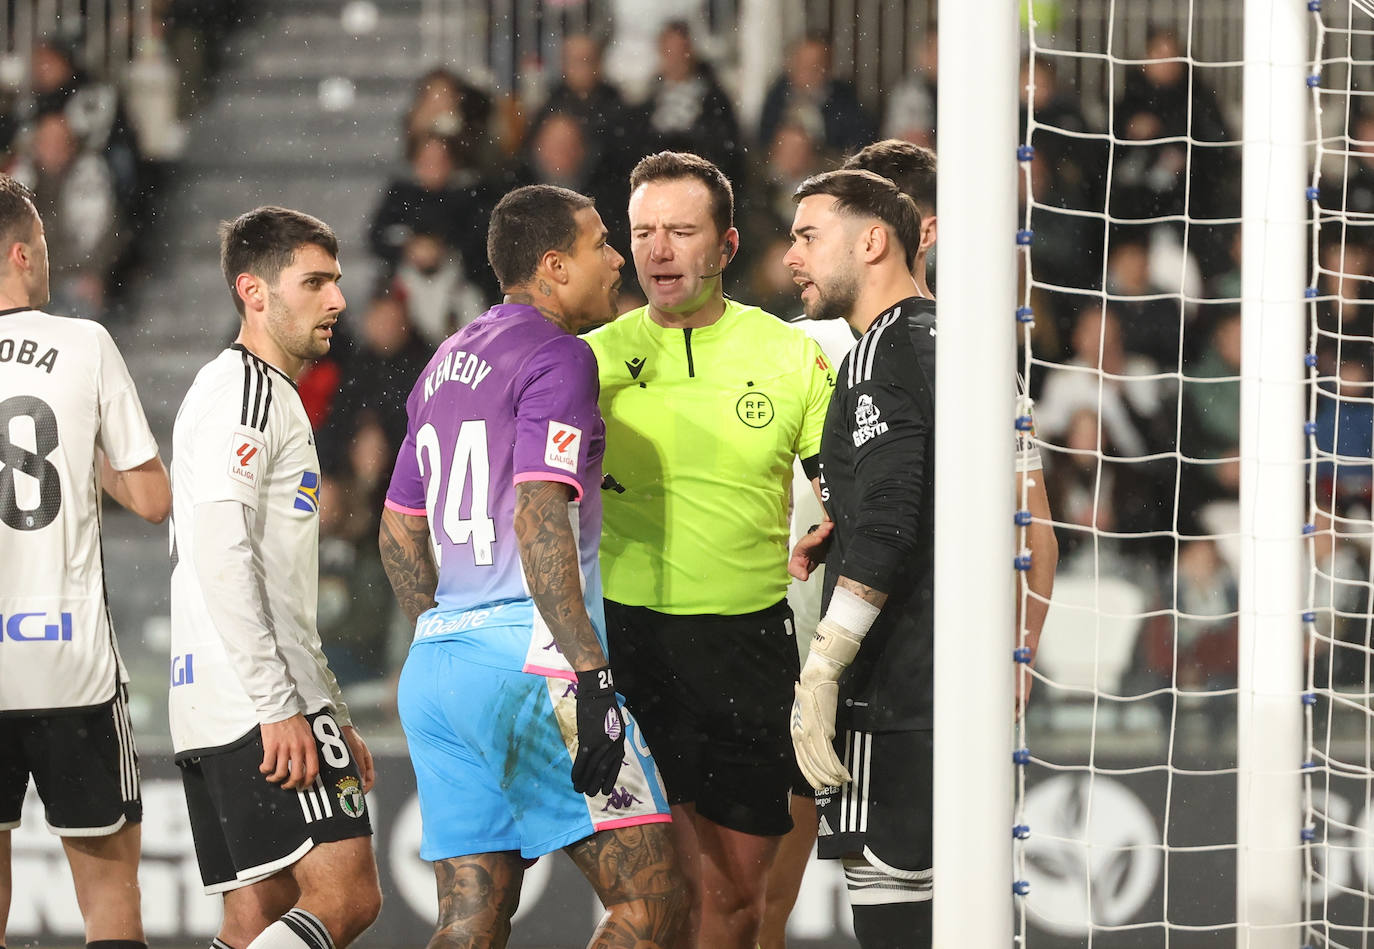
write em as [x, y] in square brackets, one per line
[675, 166]
[864, 194]
[17, 214]
[264, 241]
[528, 223]
[910, 167]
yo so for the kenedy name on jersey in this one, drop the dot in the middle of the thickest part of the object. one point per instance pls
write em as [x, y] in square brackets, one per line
[25, 353]
[457, 366]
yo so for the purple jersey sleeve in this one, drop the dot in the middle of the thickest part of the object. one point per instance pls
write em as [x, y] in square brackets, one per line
[406, 493]
[557, 421]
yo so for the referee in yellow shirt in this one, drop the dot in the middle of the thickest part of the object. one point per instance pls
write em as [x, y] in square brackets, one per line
[707, 402]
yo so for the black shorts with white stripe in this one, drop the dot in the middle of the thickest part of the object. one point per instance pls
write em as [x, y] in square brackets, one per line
[83, 762]
[884, 814]
[246, 828]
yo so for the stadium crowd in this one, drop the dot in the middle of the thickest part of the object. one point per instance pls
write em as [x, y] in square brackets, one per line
[1136, 339]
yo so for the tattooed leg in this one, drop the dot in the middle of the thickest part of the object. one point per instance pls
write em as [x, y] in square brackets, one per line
[478, 895]
[635, 872]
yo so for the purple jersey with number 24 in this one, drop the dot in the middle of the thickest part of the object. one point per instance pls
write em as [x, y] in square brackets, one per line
[509, 398]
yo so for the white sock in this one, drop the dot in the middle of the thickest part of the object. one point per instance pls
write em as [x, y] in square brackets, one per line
[298, 929]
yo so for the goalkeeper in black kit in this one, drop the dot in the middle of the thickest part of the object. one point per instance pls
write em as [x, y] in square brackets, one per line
[869, 674]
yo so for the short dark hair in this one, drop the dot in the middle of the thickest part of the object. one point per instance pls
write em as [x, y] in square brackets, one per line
[863, 194]
[674, 166]
[528, 223]
[909, 166]
[264, 241]
[17, 213]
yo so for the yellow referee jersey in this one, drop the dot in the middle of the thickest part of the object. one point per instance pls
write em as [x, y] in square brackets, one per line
[702, 426]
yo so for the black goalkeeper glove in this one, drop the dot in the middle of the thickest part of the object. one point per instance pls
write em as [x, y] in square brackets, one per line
[600, 734]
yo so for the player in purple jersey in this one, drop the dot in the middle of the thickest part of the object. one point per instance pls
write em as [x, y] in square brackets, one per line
[489, 538]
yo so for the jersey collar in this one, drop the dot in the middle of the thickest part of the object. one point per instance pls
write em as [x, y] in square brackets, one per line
[244, 349]
[16, 309]
[908, 305]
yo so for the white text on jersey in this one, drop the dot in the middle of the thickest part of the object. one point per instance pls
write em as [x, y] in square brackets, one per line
[457, 366]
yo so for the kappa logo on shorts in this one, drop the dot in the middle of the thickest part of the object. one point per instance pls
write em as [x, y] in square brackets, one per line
[245, 458]
[619, 799]
[350, 795]
[561, 449]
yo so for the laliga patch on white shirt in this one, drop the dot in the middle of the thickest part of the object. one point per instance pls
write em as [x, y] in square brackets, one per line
[560, 451]
[246, 457]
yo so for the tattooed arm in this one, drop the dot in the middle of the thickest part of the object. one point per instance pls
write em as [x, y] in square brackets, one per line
[404, 545]
[548, 554]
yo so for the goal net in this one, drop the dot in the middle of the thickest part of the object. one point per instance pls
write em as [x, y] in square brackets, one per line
[1137, 756]
[1338, 786]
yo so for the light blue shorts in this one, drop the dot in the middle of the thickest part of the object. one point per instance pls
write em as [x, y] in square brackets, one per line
[493, 751]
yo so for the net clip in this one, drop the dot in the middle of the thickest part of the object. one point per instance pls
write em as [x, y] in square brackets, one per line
[1024, 237]
[1021, 756]
[1025, 152]
[1021, 887]
[1021, 831]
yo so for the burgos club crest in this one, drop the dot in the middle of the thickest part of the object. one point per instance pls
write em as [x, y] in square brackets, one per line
[351, 800]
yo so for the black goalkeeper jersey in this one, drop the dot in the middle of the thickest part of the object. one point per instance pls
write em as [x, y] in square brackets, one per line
[877, 479]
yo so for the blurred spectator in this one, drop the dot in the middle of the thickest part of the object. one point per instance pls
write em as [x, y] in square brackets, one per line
[613, 135]
[1350, 186]
[1118, 392]
[911, 104]
[558, 154]
[1103, 377]
[583, 94]
[74, 194]
[1211, 420]
[1345, 429]
[687, 108]
[807, 94]
[1096, 501]
[94, 113]
[437, 203]
[770, 285]
[1342, 598]
[1067, 172]
[354, 597]
[1345, 304]
[446, 106]
[388, 359]
[1149, 327]
[767, 208]
[1196, 648]
[1165, 103]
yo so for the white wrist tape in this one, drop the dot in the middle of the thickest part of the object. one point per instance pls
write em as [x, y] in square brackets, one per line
[842, 630]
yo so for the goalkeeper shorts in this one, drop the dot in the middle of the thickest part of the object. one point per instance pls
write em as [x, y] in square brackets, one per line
[885, 812]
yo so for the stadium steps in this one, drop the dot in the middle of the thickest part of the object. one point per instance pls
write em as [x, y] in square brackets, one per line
[265, 137]
[268, 136]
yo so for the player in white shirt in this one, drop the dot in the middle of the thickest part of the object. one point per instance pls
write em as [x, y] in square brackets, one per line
[70, 425]
[273, 769]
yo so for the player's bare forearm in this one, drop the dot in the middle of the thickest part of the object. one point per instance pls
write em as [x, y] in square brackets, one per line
[144, 489]
[864, 592]
[548, 555]
[404, 545]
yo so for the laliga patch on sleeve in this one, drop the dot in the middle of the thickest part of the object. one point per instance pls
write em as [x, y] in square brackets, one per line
[560, 451]
[246, 457]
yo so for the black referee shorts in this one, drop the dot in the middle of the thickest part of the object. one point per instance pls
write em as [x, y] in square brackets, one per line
[713, 695]
[84, 764]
